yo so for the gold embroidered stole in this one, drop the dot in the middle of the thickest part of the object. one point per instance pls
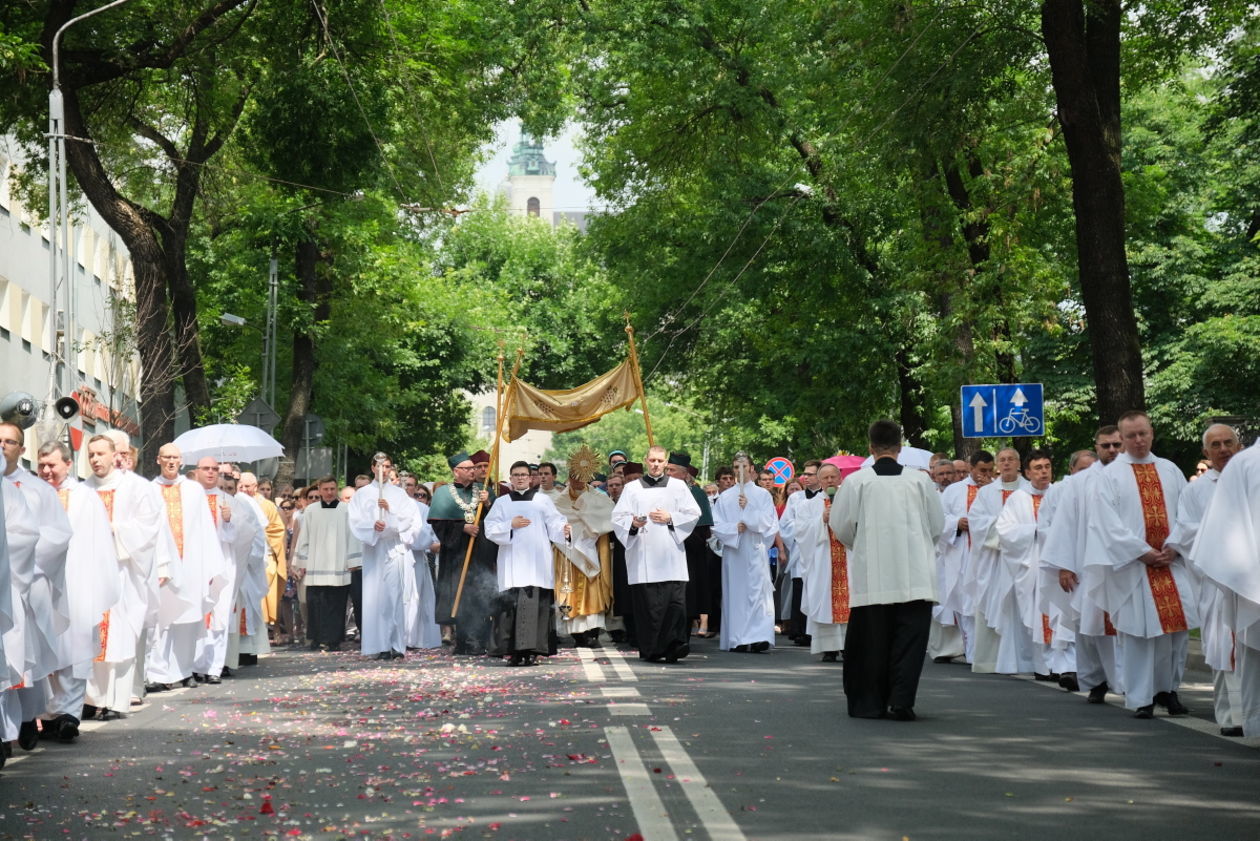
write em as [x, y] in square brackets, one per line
[839, 575]
[1172, 617]
[175, 514]
[107, 497]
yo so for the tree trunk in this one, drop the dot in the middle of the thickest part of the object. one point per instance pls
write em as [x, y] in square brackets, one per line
[314, 292]
[1083, 45]
[153, 340]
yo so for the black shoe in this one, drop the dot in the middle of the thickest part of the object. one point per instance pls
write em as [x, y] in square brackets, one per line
[226, 672]
[677, 653]
[107, 714]
[1145, 712]
[741, 649]
[1098, 694]
[1044, 678]
[1231, 731]
[901, 713]
[28, 735]
[189, 683]
[396, 655]
[213, 680]
[89, 712]
[249, 659]
[617, 637]
[802, 640]
[150, 688]
[759, 647]
[941, 659]
[1170, 702]
[67, 727]
[1068, 681]
[831, 657]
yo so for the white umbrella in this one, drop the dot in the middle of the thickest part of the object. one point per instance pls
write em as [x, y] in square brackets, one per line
[228, 442]
[908, 457]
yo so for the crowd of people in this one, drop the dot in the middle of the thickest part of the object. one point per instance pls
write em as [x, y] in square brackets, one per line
[115, 587]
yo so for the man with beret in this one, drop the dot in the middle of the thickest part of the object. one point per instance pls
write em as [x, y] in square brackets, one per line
[457, 523]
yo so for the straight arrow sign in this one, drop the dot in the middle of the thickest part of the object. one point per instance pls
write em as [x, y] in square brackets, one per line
[977, 407]
[1018, 398]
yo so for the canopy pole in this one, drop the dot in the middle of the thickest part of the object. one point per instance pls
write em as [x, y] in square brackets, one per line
[638, 380]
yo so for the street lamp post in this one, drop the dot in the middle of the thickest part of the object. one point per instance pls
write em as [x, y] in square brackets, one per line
[267, 386]
[59, 224]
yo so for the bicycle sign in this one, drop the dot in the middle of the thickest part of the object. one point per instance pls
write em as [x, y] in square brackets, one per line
[1014, 409]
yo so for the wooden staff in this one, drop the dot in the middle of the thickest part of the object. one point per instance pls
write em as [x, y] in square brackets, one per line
[494, 462]
[638, 380]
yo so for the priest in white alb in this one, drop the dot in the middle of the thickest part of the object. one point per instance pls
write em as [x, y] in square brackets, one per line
[1143, 583]
[422, 631]
[823, 567]
[524, 524]
[1019, 541]
[1063, 569]
[92, 584]
[385, 520]
[1220, 650]
[1001, 644]
[212, 642]
[197, 575]
[326, 550]
[40, 588]
[745, 521]
[953, 619]
[1227, 552]
[139, 523]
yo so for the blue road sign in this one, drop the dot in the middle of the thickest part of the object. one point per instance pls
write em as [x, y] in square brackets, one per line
[1008, 409]
[782, 469]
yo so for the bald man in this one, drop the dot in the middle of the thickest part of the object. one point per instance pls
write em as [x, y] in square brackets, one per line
[1220, 445]
[197, 576]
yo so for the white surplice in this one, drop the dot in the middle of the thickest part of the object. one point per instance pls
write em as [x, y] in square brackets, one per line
[747, 590]
[248, 634]
[92, 581]
[21, 537]
[655, 552]
[525, 556]
[387, 562]
[954, 550]
[890, 526]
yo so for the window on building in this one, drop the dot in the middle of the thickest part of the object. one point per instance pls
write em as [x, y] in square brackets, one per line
[533, 207]
[487, 420]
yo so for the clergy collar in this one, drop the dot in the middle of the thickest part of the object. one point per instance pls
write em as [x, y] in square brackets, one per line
[162, 480]
[886, 466]
[1013, 485]
[811, 494]
[654, 481]
[523, 496]
[332, 504]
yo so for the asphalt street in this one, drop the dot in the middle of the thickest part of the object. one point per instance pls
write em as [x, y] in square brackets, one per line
[597, 745]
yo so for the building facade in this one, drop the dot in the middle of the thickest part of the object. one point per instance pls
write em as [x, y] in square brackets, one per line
[33, 340]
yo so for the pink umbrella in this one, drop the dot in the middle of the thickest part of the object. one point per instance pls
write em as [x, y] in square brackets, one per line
[847, 464]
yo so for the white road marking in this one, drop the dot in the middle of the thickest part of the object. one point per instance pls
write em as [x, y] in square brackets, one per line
[620, 666]
[649, 812]
[619, 691]
[713, 815]
[594, 672]
[628, 709]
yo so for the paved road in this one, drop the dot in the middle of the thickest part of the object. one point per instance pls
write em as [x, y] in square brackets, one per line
[723, 747]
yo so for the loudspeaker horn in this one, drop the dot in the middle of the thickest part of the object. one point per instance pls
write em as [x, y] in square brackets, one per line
[66, 408]
[19, 409]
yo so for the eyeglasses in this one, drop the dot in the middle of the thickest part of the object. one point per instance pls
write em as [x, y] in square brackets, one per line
[286, 507]
[312, 497]
[9, 442]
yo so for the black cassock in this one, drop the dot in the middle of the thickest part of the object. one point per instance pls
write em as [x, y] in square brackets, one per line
[524, 622]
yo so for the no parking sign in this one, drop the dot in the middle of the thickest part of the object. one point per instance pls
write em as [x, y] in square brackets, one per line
[782, 470]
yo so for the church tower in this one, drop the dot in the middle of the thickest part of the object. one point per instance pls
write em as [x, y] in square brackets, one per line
[531, 181]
